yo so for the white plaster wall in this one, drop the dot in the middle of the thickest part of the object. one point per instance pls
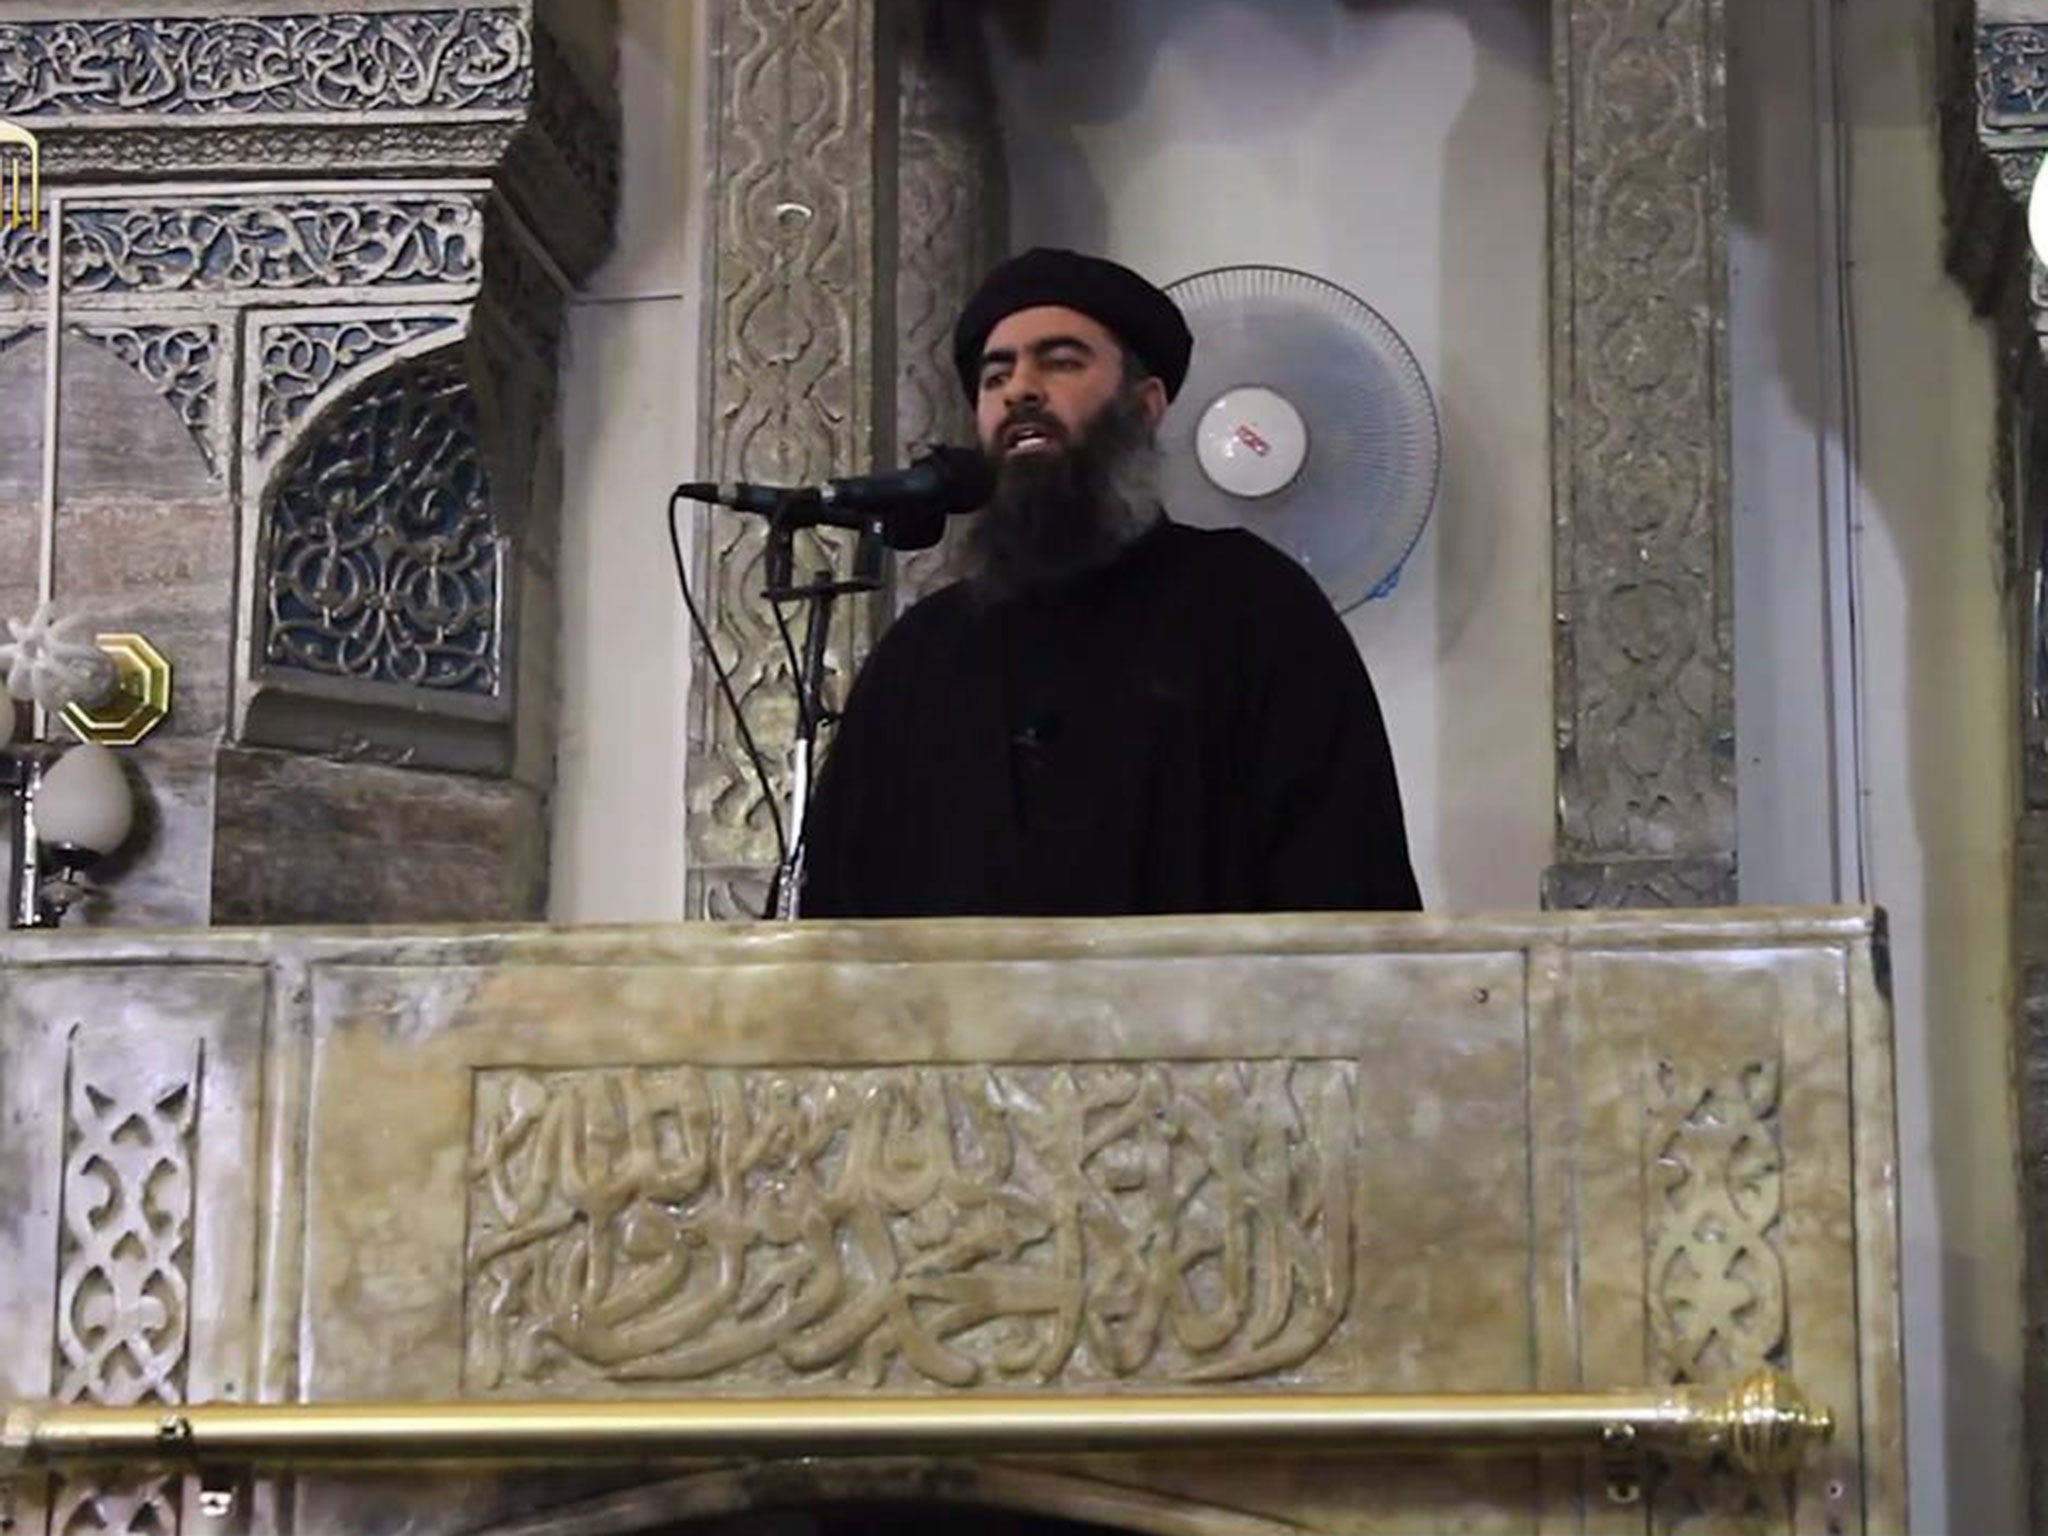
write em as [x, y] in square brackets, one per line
[1399, 150]
[1863, 485]
[1786, 407]
[630, 432]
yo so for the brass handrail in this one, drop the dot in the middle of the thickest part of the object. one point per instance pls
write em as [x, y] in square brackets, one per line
[1763, 1426]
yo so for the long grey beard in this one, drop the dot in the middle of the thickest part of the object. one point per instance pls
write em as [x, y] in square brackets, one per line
[1056, 517]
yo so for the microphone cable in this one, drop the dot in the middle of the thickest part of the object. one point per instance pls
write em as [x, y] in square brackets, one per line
[792, 862]
[796, 677]
[675, 544]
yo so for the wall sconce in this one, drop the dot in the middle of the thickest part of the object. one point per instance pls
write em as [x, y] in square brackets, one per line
[71, 808]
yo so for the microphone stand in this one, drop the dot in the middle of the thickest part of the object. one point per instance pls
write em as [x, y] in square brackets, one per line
[796, 510]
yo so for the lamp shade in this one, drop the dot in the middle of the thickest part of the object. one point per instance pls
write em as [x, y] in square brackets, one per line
[83, 801]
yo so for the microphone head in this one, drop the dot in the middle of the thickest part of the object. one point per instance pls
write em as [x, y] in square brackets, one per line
[950, 480]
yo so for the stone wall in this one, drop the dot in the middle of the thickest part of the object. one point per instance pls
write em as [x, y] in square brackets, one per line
[285, 402]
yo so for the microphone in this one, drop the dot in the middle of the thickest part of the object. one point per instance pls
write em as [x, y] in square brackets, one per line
[908, 507]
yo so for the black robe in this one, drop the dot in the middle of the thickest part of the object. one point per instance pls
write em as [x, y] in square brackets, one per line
[1187, 730]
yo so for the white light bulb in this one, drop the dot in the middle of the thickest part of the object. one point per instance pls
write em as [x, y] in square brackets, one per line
[83, 801]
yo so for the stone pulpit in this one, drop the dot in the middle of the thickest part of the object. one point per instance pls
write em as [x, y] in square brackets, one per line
[948, 1213]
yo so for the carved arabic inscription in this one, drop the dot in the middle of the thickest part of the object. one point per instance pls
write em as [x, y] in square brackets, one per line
[961, 1226]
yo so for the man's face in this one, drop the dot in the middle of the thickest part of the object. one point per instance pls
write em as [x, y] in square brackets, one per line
[1046, 376]
[1073, 442]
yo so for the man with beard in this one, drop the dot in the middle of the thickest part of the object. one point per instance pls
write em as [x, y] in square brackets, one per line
[1109, 713]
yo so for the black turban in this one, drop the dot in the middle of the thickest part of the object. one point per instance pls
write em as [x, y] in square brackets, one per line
[1143, 318]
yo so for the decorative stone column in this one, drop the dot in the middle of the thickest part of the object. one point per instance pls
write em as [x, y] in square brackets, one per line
[952, 220]
[853, 200]
[1644, 647]
[1995, 127]
[285, 399]
[1640, 445]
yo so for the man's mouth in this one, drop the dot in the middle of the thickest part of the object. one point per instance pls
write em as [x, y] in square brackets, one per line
[1029, 437]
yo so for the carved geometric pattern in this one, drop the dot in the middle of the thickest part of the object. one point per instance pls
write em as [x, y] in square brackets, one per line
[957, 1226]
[25, 257]
[298, 362]
[223, 245]
[446, 60]
[195, 147]
[124, 1262]
[791, 398]
[115, 1506]
[2012, 82]
[383, 564]
[1645, 694]
[182, 363]
[720, 895]
[1716, 1279]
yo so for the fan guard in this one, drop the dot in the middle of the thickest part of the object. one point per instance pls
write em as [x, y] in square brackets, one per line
[1304, 418]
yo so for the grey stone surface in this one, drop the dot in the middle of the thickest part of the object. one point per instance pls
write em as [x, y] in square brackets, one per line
[1640, 883]
[163, 567]
[1643, 644]
[307, 840]
[142, 405]
[162, 876]
[19, 548]
[22, 364]
[117, 435]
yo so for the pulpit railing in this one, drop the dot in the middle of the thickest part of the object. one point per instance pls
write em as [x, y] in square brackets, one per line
[1760, 1427]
